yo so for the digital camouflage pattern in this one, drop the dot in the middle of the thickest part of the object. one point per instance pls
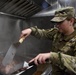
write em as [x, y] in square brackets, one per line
[63, 54]
[63, 13]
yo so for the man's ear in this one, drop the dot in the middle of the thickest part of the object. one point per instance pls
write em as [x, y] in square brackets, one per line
[72, 20]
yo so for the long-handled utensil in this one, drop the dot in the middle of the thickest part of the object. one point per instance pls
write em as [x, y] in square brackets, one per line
[11, 52]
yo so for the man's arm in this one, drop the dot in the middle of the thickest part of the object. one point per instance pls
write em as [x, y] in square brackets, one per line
[66, 60]
[43, 33]
[39, 33]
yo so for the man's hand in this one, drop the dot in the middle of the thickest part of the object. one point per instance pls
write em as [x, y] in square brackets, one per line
[26, 33]
[41, 58]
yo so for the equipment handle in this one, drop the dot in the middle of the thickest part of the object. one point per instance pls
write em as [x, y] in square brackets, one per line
[21, 39]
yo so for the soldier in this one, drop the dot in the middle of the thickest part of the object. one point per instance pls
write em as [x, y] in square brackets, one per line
[63, 54]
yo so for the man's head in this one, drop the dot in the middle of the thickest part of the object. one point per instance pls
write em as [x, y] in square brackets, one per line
[63, 13]
[65, 18]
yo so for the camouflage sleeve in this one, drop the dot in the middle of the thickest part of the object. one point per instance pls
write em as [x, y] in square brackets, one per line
[66, 60]
[42, 33]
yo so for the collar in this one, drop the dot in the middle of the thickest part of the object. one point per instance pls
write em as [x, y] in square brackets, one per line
[68, 37]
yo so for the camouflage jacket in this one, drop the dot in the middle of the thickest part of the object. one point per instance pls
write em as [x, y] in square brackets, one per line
[63, 54]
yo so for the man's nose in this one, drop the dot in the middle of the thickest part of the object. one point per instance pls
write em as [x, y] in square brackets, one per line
[57, 25]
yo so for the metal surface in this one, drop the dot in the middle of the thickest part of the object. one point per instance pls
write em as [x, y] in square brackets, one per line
[8, 29]
[17, 67]
[47, 71]
[28, 69]
[51, 2]
[54, 5]
[65, 3]
[11, 52]
[28, 8]
[9, 55]
[19, 7]
[48, 11]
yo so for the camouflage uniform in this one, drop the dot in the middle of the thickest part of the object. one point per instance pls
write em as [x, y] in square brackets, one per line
[63, 54]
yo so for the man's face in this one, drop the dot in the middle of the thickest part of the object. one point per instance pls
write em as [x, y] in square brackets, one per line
[63, 26]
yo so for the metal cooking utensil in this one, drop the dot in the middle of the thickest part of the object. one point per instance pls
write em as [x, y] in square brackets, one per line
[11, 52]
